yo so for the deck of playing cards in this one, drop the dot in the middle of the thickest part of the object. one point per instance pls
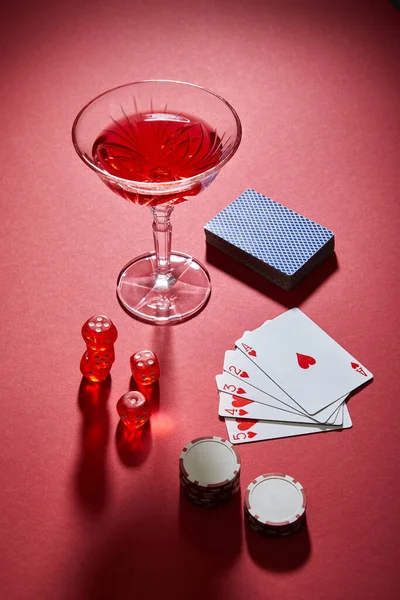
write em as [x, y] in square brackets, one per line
[271, 239]
[287, 378]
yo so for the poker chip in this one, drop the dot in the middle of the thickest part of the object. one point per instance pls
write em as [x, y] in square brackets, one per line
[275, 504]
[209, 471]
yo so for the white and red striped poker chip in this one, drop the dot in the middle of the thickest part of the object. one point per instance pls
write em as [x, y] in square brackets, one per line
[275, 504]
[209, 471]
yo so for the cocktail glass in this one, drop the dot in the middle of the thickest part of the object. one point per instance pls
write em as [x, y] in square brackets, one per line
[158, 143]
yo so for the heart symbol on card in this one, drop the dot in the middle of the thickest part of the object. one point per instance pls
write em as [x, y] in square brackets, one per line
[240, 391]
[251, 434]
[244, 425]
[250, 351]
[244, 374]
[243, 412]
[305, 361]
[238, 402]
[358, 368]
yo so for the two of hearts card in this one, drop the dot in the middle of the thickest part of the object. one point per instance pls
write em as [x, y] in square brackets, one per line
[287, 378]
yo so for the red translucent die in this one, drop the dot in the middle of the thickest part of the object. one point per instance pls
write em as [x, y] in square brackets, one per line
[99, 332]
[101, 359]
[134, 410]
[91, 372]
[145, 367]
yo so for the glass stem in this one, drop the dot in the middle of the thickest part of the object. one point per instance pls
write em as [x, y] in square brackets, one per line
[162, 234]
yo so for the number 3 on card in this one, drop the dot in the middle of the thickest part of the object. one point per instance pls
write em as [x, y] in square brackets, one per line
[230, 388]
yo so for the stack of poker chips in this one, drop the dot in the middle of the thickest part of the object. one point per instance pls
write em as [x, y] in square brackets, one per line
[209, 471]
[275, 504]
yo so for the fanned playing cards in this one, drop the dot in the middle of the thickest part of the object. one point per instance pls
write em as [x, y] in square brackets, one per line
[287, 378]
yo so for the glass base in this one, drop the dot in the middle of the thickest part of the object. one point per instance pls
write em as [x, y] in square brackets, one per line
[163, 299]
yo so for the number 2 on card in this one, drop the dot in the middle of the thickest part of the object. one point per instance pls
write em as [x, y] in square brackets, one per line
[235, 370]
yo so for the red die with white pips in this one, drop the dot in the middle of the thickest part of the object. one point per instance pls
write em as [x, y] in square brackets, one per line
[134, 410]
[99, 333]
[145, 367]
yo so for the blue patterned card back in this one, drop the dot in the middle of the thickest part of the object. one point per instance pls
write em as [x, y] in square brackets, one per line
[269, 232]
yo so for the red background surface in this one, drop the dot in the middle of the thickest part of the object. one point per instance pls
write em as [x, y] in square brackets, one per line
[86, 517]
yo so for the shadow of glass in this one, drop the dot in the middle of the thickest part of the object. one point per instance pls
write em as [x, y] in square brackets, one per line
[149, 554]
[162, 344]
[90, 477]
